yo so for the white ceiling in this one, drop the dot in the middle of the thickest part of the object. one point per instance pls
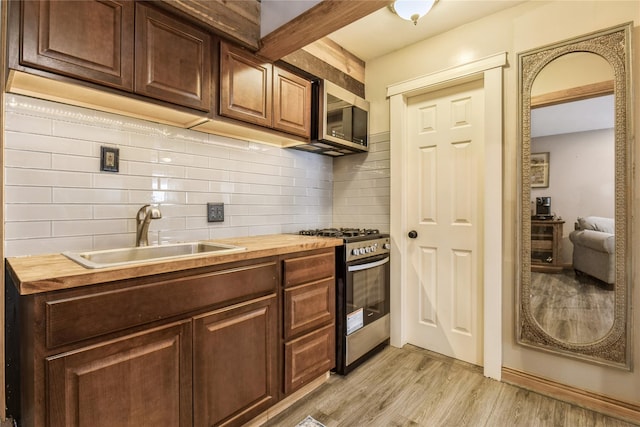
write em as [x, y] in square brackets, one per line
[383, 32]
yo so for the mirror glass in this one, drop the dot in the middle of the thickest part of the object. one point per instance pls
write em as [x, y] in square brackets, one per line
[574, 183]
[572, 135]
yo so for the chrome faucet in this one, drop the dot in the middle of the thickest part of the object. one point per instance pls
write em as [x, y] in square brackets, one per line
[143, 218]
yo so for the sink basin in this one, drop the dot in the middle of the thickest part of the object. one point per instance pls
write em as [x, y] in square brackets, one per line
[124, 256]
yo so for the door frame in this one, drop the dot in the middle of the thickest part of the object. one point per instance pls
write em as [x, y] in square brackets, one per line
[489, 70]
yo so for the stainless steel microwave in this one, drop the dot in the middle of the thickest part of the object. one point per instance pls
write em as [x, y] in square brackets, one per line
[340, 122]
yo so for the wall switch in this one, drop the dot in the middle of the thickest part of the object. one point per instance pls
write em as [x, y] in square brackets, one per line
[215, 212]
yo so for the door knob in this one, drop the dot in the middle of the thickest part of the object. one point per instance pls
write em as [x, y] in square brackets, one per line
[413, 234]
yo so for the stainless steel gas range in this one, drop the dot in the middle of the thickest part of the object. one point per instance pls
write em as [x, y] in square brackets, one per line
[362, 294]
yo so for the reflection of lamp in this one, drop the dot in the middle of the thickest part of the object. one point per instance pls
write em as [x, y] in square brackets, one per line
[411, 10]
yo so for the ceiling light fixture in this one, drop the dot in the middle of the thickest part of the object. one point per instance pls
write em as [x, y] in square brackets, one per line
[411, 10]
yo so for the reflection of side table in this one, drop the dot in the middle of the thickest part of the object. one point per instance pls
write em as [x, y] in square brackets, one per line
[546, 236]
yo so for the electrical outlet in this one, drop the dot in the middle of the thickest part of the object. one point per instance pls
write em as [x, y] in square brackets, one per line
[215, 212]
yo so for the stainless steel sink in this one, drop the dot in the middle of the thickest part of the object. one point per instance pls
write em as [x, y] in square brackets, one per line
[124, 256]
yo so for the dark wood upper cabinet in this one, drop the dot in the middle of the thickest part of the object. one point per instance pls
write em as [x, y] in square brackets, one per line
[89, 40]
[246, 87]
[291, 102]
[99, 41]
[258, 92]
[173, 59]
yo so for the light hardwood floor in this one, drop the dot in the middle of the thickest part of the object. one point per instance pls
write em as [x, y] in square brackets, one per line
[415, 387]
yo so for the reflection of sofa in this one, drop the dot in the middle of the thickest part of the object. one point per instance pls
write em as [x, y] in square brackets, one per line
[594, 247]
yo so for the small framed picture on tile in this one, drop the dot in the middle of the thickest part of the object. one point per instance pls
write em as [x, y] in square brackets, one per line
[109, 159]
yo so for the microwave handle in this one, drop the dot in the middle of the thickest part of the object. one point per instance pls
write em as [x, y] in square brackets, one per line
[369, 265]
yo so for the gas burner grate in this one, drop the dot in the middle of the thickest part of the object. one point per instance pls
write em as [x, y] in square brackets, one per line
[341, 232]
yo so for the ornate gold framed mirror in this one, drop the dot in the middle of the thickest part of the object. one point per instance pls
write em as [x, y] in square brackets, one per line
[574, 182]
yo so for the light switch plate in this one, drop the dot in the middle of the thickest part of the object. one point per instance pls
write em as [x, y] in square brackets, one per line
[215, 212]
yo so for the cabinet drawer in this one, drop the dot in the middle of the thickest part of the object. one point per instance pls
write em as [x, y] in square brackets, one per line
[308, 307]
[308, 357]
[310, 268]
[114, 310]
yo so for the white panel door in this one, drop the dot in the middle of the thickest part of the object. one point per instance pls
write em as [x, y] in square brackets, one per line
[444, 161]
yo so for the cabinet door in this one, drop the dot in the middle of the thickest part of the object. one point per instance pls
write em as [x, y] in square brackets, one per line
[245, 86]
[143, 380]
[235, 364]
[291, 103]
[90, 40]
[308, 357]
[173, 60]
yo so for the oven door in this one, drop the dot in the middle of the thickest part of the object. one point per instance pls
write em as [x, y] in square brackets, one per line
[367, 292]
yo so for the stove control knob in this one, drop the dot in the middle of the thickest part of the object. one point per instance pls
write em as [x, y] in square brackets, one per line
[355, 251]
[386, 246]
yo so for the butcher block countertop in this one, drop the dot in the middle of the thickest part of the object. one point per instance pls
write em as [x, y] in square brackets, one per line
[44, 273]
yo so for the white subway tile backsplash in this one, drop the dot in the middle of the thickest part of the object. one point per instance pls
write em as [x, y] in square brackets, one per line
[46, 178]
[156, 169]
[121, 181]
[207, 174]
[27, 123]
[57, 199]
[43, 212]
[361, 187]
[63, 162]
[102, 134]
[110, 241]
[89, 227]
[143, 197]
[46, 144]
[27, 230]
[22, 194]
[93, 196]
[27, 159]
[17, 247]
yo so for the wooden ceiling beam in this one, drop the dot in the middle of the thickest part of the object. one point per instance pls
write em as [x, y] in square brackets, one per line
[319, 21]
[236, 20]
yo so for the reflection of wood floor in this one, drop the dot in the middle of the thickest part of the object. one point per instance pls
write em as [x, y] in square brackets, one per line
[413, 387]
[576, 310]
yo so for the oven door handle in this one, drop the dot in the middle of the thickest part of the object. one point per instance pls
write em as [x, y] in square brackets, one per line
[369, 265]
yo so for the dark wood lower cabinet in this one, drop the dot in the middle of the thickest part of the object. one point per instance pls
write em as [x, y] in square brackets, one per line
[214, 346]
[235, 363]
[309, 307]
[142, 380]
[308, 357]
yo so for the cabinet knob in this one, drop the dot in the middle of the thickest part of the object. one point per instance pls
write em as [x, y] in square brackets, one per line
[413, 234]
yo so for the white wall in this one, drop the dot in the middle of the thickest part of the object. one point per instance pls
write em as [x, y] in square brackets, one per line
[56, 197]
[526, 26]
[581, 178]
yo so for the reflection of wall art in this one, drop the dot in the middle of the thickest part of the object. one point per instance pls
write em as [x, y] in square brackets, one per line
[540, 170]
